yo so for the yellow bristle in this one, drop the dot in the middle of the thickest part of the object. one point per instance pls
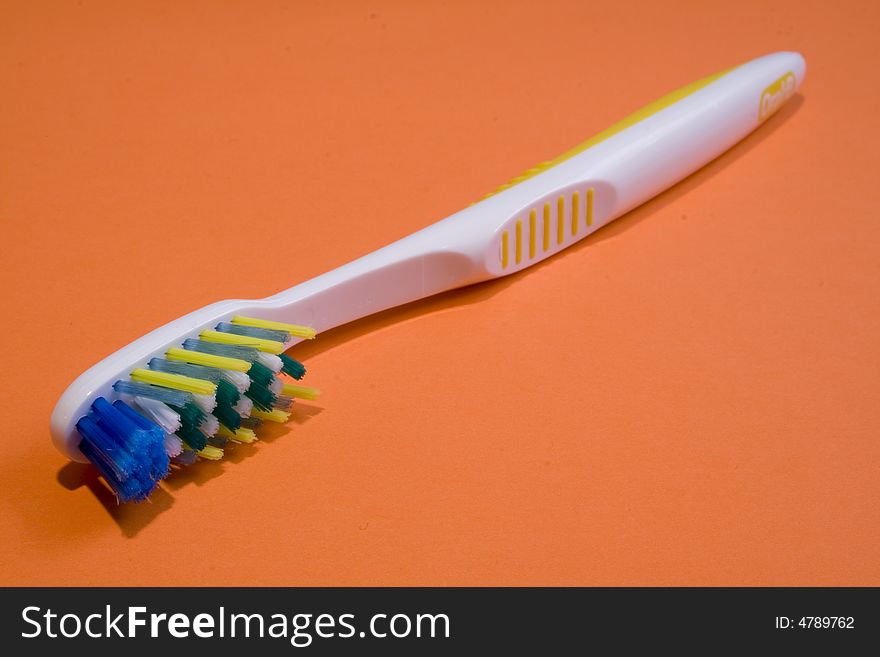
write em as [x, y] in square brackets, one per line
[271, 416]
[209, 360]
[301, 392]
[269, 346]
[174, 381]
[306, 332]
[240, 435]
[211, 453]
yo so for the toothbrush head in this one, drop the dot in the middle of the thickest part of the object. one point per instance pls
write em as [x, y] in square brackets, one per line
[184, 392]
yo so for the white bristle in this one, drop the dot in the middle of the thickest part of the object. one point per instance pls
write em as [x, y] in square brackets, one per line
[240, 380]
[209, 426]
[206, 403]
[244, 406]
[160, 413]
[173, 445]
[275, 386]
[271, 361]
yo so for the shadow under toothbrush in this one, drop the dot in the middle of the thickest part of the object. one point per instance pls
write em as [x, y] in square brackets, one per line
[203, 471]
[132, 518]
[482, 291]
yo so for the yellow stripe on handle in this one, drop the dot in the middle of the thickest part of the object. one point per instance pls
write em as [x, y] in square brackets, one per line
[590, 194]
[533, 229]
[218, 337]
[518, 248]
[297, 330]
[639, 115]
[546, 226]
[174, 381]
[560, 220]
[208, 360]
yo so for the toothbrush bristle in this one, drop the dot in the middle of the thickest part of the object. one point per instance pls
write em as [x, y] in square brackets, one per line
[292, 367]
[234, 351]
[273, 415]
[128, 450]
[240, 380]
[210, 393]
[243, 435]
[186, 457]
[301, 392]
[227, 394]
[305, 332]
[244, 406]
[173, 445]
[261, 396]
[210, 425]
[186, 369]
[260, 375]
[270, 361]
[235, 340]
[211, 453]
[165, 395]
[254, 332]
[159, 412]
[228, 416]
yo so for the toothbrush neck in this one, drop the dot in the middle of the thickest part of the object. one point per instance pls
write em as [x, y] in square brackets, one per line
[412, 268]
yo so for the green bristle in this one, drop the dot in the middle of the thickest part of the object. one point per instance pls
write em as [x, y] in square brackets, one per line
[191, 416]
[193, 437]
[292, 367]
[261, 396]
[227, 393]
[260, 374]
[228, 416]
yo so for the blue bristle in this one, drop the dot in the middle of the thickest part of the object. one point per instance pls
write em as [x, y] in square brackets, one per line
[253, 332]
[156, 446]
[102, 444]
[112, 461]
[127, 449]
[164, 395]
[185, 369]
[227, 350]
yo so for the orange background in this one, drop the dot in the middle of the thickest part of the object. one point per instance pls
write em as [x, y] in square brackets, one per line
[689, 396]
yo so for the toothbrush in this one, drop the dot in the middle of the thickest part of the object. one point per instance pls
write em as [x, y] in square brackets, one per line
[186, 389]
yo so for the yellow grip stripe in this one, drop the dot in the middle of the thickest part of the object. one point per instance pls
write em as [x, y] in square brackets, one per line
[639, 115]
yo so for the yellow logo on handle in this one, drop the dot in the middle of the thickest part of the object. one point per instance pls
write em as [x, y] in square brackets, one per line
[775, 95]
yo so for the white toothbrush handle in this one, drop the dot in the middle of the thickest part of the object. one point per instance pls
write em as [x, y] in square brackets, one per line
[556, 204]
